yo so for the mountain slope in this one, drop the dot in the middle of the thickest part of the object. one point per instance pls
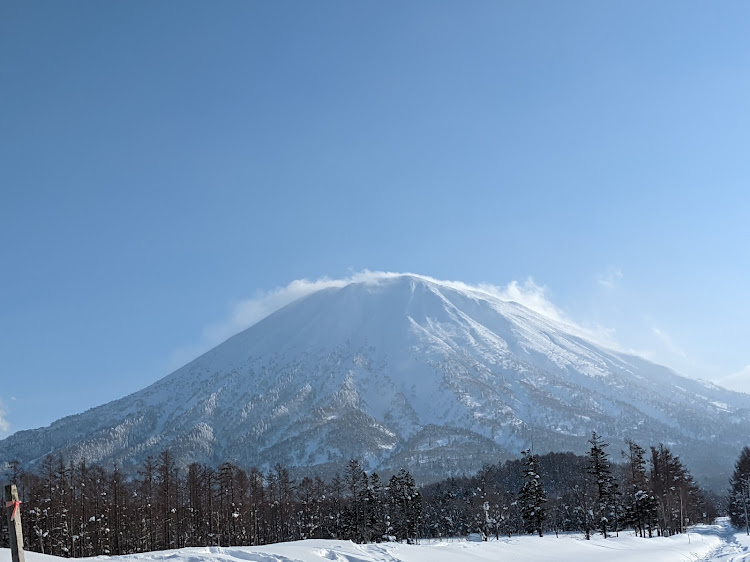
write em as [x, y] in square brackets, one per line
[404, 370]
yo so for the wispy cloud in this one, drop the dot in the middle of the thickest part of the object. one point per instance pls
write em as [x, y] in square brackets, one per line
[669, 343]
[4, 423]
[247, 312]
[739, 381]
[529, 294]
[609, 278]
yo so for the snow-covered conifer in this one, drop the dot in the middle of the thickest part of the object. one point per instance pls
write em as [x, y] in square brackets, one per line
[739, 496]
[532, 497]
[607, 493]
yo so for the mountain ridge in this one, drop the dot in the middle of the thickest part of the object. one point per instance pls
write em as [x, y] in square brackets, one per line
[404, 370]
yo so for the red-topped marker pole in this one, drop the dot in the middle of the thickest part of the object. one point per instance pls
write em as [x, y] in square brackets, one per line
[13, 507]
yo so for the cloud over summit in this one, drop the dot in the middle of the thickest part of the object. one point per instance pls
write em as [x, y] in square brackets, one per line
[248, 312]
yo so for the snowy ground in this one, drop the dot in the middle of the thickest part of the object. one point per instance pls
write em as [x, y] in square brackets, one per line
[707, 543]
[734, 547]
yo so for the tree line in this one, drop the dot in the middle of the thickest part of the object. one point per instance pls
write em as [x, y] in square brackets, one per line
[650, 491]
[75, 509]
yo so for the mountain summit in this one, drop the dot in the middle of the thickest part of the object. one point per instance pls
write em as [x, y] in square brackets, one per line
[402, 370]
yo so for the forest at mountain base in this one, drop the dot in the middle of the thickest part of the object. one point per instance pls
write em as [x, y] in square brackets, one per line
[75, 510]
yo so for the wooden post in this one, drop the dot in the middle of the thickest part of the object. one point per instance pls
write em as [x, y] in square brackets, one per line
[15, 531]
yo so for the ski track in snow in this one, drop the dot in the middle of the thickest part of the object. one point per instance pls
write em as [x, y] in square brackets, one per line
[734, 545]
[703, 543]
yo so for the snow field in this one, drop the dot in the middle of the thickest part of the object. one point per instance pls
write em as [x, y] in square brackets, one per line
[705, 543]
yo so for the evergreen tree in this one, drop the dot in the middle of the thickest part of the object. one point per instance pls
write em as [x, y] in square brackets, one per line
[532, 497]
[355, 513]
[336, 507]
[674, 490]
[378, 515]
[640, 504]
[739, 495]
[600, 470]
[306, 510]
[405, 506]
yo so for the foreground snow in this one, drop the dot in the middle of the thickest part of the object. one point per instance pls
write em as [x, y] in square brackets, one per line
[706, 543]
[735, 546]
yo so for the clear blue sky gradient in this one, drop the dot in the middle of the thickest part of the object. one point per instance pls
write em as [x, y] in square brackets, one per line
[160, 161]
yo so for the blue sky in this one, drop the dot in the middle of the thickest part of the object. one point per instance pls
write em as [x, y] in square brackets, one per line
[163, 164]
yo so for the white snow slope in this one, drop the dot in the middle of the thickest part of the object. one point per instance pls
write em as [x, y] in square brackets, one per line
[706, 543]
[402, 371]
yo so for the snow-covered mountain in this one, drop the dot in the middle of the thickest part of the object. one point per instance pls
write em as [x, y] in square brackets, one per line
[399, 371]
